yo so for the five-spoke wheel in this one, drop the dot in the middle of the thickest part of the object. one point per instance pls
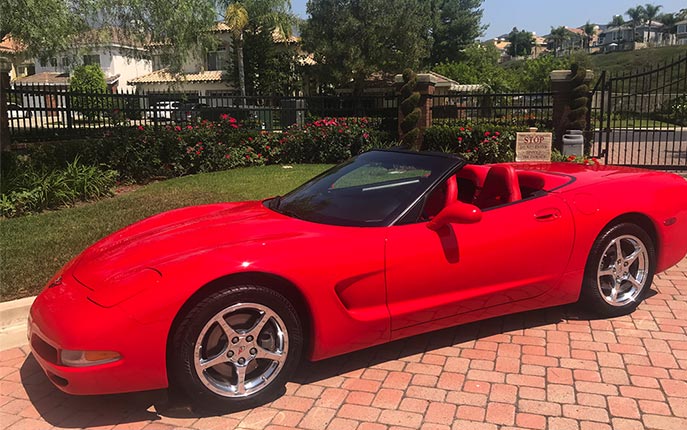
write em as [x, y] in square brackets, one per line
[619, 270]
[236, 348]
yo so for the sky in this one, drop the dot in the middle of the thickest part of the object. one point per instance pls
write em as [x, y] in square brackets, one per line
[539, 16]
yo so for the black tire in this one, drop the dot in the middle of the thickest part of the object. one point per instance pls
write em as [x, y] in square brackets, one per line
[243, 308]
[606, 273]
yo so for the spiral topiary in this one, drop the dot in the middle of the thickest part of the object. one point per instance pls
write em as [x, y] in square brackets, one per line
[410, 112]
[579, 98]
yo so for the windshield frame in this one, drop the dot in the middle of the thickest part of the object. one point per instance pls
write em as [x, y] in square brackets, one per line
[443, 173]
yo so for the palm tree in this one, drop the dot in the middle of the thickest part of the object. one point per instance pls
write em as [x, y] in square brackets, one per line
[636, 15]
[558, 36]
[650, 12]
[589, 31]
[262, 15]
[617, 21]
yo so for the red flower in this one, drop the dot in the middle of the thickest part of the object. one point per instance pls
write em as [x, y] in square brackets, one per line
[189, 127]
[267, 147]
[227, 156]
[496, 133]
[340, 131]
[366, 136]
[462, 129]
[197, 152]
[140, 127]
[460, 139]
[571, 158]
[250, 139]
[224, 116]
[177, 128]
[247, 157]
[486, 133]
[234, 126]
[232, 120]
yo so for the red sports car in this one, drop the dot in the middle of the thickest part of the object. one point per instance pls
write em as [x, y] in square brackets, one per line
[223, 300]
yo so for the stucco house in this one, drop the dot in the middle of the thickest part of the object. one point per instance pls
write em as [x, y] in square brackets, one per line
[13, 60]
[681, 33]
[118, 58]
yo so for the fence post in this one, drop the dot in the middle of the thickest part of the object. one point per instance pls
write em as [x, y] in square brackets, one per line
[4, 119]
[561, 86]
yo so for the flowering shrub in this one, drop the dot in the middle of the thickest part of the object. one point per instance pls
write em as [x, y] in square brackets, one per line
[326, 140]
[586, 160]
[479, 144]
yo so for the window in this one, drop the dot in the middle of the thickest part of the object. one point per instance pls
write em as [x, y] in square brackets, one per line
[682, 28]
[216, 59]
[51, 61]
[91, 59]
[66, 62]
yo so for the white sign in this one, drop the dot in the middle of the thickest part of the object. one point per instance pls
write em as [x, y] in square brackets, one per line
[533, 146]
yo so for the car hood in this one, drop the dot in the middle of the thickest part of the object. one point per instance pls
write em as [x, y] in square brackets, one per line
[143, 247]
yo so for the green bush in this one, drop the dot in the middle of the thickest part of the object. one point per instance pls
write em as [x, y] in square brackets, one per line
[27, 190]
[480, 144]
[327, 140]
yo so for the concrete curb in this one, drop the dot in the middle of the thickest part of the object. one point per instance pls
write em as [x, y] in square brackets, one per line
[13, 316]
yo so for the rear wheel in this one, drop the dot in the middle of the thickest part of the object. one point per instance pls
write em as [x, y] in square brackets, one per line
[237, 348]
[619, 270]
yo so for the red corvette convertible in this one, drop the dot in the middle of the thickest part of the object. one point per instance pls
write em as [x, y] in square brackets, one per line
[222, 301]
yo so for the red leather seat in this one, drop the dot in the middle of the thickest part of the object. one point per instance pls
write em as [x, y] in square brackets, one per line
[500, 187]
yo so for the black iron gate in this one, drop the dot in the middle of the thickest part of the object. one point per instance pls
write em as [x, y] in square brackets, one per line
[639, 118]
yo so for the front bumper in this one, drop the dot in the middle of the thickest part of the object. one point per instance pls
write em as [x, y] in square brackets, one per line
[62, 317]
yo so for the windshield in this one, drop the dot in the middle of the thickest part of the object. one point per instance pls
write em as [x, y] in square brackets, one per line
[372, 189]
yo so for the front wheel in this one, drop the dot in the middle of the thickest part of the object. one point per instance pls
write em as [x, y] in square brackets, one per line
[237, 348]
[619, 270]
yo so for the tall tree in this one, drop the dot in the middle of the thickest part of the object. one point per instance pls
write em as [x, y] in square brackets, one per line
[650, 13]
[268, 16]
[352, 39]
[456, 25]
[558, 35]
[521, 43]
[636, 15]
[589, 31]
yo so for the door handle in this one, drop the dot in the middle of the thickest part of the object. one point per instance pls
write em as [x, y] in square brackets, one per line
[551, 214]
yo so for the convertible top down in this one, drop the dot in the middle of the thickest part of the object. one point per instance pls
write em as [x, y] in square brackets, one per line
[221, 301]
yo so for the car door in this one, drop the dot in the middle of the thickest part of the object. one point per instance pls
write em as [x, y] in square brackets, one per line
[514, 253]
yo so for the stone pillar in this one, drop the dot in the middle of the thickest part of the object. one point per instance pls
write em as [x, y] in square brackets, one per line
[562, 88]
[426, 85]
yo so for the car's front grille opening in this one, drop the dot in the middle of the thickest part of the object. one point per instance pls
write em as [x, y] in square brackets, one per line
[45, 350]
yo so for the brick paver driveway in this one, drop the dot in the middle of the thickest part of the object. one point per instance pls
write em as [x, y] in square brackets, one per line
[549, 369]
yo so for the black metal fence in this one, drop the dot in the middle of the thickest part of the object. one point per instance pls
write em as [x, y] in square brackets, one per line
[516, 109]
[639, 118]
[45, 112]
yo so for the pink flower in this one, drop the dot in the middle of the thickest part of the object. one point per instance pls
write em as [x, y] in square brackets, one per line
[460, 139]
[366, 136]
[250, 139]
[227, 156]
[232, 120]
[177, 128]
[234, 126]
[189, 127]
[224, 116]
[141, 128]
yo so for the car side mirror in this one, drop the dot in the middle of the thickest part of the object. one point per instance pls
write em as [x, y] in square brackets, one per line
[458, 213]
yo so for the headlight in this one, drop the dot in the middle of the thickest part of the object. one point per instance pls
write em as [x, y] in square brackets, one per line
[87, 358]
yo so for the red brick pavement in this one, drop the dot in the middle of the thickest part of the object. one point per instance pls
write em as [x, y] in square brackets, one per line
[550, 369]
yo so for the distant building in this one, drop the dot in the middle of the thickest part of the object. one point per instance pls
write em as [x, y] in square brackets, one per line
[13, 60]
[119, 59]
[681, 34]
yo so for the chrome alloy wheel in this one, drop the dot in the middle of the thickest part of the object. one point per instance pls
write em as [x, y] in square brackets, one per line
[623, 270]
[241, 350]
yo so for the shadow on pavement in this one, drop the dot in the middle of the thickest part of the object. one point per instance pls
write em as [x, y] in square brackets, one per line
[70, 411]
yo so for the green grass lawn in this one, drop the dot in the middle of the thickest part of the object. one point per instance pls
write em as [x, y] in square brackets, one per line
[625, 61]
[34, 247]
